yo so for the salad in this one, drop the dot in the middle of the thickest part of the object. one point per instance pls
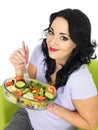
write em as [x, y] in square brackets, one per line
[35, 96]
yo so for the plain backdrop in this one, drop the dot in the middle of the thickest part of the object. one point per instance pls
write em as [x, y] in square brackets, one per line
[26, 19]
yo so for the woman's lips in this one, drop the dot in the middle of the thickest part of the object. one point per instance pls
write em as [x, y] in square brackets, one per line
[52, 49]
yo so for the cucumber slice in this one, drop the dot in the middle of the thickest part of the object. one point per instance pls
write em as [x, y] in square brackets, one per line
[20, 84]
[25, 91]
[49, 95]
[41, 92]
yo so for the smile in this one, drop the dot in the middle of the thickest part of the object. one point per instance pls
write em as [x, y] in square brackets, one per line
[53, 49]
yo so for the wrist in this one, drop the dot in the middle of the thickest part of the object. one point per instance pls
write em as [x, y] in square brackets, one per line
[52, 108]
[19, 72]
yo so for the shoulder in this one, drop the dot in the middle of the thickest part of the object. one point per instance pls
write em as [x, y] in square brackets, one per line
[80, 73]
[36, 55]
[80, 76]
[81, 83]
[37, 51]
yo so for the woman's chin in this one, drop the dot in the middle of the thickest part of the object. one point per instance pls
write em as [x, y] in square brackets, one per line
[52, 56]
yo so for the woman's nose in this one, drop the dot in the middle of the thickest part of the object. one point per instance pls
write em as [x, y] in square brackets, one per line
[54, 40]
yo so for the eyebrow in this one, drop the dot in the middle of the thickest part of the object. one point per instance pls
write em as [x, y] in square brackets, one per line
[61, 33]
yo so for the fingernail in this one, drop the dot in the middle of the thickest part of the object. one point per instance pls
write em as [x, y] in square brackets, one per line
[21, 63]
[25, 57]
[49, 106]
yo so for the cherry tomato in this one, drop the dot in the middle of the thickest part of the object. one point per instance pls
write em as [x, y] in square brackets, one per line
[32, 89]
[39, 98]
[18, 92]
[52, 89]
[8, 83]
[18, 78]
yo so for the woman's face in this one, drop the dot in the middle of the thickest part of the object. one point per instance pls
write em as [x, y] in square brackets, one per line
[58, 41]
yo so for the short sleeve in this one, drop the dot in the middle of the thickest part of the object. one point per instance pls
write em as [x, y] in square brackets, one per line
[82, 84]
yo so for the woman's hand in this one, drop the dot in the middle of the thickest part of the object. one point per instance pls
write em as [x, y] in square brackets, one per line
[18, 58]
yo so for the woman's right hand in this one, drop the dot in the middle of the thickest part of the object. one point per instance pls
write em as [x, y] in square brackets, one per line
[18, 58]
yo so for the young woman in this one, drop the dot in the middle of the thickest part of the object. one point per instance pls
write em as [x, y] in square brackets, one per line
[60, 60]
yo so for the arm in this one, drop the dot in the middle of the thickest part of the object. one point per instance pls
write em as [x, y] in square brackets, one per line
[32, 71]
[86, 116]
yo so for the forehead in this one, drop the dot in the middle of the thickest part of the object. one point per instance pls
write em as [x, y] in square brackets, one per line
[60, 24]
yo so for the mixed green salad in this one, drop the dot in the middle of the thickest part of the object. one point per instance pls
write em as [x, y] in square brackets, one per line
[36, 95]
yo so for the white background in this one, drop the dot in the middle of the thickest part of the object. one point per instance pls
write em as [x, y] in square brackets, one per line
[26, 19]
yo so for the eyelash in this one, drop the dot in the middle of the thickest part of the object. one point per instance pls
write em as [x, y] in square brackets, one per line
[62, 37]
[50, 32]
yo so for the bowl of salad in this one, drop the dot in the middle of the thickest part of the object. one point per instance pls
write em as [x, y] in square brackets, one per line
[35, 96]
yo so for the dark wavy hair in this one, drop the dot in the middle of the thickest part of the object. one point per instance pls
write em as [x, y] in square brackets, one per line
[80, 33]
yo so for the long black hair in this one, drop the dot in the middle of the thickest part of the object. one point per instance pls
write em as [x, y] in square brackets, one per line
[80, 33]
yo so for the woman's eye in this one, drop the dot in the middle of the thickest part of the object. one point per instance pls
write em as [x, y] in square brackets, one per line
[63, 38]
[50, 32]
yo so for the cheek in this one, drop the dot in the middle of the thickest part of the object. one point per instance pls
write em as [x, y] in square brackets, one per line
[49, 39]
[68, 48]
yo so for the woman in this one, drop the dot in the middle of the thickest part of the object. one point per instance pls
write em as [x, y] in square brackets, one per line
[61, 61]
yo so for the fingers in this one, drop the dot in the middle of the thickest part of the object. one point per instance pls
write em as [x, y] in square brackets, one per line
[26, 48]
[27, 51]
[18, 58]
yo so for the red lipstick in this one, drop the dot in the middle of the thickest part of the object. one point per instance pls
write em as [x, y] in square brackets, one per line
[53, 49]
